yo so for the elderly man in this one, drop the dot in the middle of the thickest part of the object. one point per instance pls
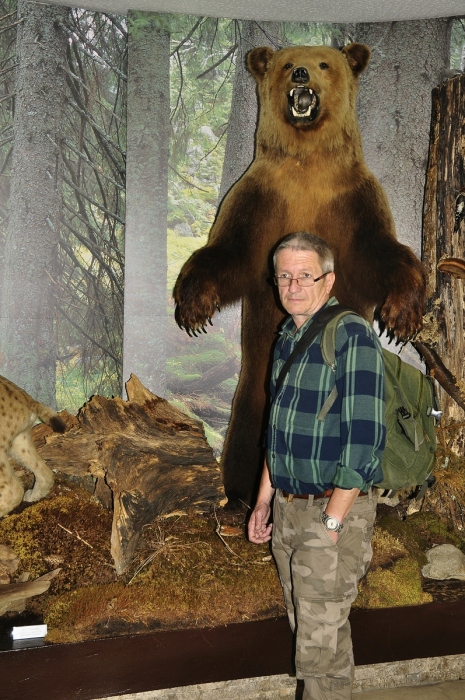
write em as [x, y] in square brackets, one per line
[320, 472]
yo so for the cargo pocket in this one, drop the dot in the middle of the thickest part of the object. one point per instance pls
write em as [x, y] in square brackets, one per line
[323, 642]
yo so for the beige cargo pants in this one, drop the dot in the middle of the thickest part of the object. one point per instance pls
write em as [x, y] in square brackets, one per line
[319, 580]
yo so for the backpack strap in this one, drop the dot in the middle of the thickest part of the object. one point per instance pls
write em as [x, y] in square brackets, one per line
[328, 350]
[318, 324]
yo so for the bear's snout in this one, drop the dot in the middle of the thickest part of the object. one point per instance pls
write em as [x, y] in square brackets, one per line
[303, 102]
[300, 75]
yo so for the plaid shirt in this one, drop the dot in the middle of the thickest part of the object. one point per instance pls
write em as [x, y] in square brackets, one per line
[306, 455]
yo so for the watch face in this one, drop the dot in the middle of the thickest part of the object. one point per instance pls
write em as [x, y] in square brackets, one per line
[332, 524]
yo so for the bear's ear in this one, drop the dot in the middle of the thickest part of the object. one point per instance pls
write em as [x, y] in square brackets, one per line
[358, 57]
[258, 61]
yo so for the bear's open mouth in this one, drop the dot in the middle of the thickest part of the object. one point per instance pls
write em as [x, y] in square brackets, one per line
[303, 104]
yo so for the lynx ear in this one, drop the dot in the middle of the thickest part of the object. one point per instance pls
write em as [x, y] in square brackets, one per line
[358, 57]
[258, 61]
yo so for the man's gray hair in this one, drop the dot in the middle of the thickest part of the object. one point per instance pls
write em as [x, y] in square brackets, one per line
[307, 241]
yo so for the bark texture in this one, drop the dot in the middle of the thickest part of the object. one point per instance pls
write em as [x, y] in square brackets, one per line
[27, 313]
[408, 61]
[239, 150]
[147, 457]
[242, 123]
[148, 135]
[445, 175]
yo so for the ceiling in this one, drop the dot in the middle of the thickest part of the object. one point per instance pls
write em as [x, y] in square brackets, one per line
[289, 10]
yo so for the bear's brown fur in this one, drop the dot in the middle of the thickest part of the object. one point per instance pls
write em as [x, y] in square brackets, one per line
[308, 174]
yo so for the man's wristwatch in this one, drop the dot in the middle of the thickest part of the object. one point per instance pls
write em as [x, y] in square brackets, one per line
[330, 523]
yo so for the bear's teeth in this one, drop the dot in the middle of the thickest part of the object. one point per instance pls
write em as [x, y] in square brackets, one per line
[301, 114]
[292, 90]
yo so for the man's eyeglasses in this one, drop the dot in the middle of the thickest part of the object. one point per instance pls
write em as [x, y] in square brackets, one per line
[306, 280]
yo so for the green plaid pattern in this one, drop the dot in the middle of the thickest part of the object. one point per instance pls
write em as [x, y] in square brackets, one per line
[306, 455]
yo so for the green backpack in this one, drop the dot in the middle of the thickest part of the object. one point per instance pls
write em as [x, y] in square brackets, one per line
[411, 413]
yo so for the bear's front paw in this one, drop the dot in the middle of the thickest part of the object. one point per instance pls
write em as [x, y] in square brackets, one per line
[401, 317]
[195, 304]
[194, 320]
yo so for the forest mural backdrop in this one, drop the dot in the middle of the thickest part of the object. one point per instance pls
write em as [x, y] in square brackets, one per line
[63, 163]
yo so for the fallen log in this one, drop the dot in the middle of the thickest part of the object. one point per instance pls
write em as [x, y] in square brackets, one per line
[146, 458]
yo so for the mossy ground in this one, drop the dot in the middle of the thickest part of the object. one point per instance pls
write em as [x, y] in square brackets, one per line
[399, 547]
[193, 569]
[397, 586]
[401, 540]
[190, 570]
[184, 575]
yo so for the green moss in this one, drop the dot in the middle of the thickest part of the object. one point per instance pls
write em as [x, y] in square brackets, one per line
[419, 532]
[399, 548]
[229, 385]
[408, 536]
[386, 548]
[432, 529]
[390, 588]
[193, 364]
[73, 529]
[23, 531]
[185, 576]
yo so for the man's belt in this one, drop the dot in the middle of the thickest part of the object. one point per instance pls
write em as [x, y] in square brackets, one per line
[324, 494]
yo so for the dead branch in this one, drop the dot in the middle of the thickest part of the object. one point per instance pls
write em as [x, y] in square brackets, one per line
[74, 534]
[440, 372]
[186, 38]
[218, 63]
[93, 51]
[218, 532]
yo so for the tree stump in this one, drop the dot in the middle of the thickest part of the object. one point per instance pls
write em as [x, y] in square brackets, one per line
[146, 457]
[444, 327]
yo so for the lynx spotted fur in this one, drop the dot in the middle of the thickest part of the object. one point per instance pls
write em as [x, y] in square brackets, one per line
[18, 413]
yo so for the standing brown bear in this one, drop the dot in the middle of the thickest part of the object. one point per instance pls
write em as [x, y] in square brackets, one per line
[308, 174]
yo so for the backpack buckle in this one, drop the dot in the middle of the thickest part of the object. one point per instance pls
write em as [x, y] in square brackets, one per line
[434, 413]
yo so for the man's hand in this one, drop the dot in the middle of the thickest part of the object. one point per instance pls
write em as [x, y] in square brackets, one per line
[339, 506]
[259, 530]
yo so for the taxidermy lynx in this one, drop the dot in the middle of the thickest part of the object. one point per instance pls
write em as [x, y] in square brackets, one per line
[18, 413]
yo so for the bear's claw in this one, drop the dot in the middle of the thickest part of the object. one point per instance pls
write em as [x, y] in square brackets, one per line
[194, 317]
[401, 324]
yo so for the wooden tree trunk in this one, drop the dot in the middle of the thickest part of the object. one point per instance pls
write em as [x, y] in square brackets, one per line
[242, 124]
[407, 62]
[148, 136]
[27, 334]
[444, 328]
